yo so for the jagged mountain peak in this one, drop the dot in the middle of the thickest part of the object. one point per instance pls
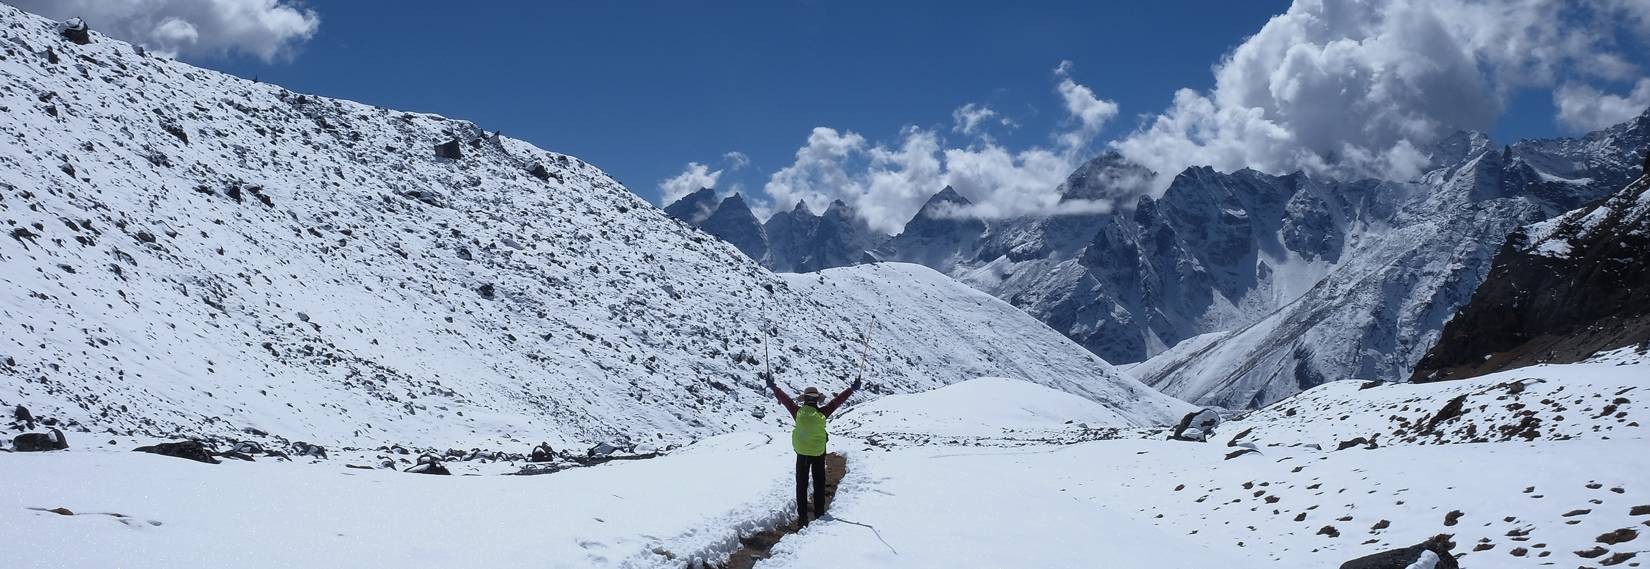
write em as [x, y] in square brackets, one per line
[1458, 147]
[947, 198]
[694, 207]
[802, 209]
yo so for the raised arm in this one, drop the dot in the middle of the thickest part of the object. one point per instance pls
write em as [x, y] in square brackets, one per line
[840, 398]
[782, 397]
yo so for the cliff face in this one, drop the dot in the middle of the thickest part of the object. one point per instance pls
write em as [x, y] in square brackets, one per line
[1560, 291]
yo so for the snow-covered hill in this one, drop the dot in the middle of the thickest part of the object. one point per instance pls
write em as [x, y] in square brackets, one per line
[189, 253]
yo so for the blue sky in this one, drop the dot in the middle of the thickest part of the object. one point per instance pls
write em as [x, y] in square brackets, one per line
[640, 88]
[643, 88]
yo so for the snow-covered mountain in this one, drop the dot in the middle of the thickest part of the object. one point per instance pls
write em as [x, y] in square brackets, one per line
[1412, 256]
[793, 241]
[1560, 290]
[189, 253]
[1310, 278]
[802, 242]
[937, 236]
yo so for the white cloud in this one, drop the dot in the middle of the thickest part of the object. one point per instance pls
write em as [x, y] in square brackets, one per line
[1583, 108]
[888, 184]
[968, 118]
[1089, 112]
[736, 160]
[1361, 88]
[267, 29]
[692, 178]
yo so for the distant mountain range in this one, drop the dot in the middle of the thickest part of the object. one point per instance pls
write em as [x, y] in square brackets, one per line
[1302, 278]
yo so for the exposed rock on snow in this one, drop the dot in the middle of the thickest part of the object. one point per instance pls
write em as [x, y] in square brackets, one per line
[1433, 553]
[429, 464]
[40, 442]
[1196, 426]
[450, 149]
[192, 450]
[542, 453]
[1588, 400]
[77, 31]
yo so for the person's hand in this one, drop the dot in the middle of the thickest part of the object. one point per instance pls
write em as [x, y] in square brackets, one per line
[767, 380]
[856, 383]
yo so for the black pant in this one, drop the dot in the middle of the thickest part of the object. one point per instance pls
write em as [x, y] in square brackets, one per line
[804, 465]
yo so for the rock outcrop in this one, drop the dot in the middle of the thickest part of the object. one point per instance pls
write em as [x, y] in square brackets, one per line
[1559, 291]
[191, 450]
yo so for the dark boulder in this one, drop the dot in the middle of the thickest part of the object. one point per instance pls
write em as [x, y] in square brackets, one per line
[1196, 426]
[429, 464]
[302, 448]
[1368, 443]
[542, 453]
[1435, 549]
[602, 449]
[540, 172]
[40, 442]
[450, 149]
[177, 132]
[22, 415]
[1454, 408]
[76, 30]
[192, 450]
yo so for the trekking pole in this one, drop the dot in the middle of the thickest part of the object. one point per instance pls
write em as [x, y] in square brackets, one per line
[767, 359]
[865, 355]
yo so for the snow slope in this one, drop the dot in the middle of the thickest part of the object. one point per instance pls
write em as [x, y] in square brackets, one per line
[981, 407]
[190, 253]
[662, 512]
[946, 326]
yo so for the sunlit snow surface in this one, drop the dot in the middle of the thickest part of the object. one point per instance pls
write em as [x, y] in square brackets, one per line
[979, 474]
[1157, 503]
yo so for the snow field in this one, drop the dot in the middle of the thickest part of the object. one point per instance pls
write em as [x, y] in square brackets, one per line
[662, 512]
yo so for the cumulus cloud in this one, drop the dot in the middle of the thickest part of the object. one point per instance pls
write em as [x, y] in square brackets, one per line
[267, 29]
[692, 178]
[968, 118]
[1088, 111]
[887, 184]
[1583, 108]
[736, 160]
[1363, 87]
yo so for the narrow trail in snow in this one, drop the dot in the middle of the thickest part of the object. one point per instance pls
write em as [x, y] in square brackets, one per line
[758, 546]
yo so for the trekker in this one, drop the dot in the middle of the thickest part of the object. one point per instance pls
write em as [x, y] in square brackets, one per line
[809, 441]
